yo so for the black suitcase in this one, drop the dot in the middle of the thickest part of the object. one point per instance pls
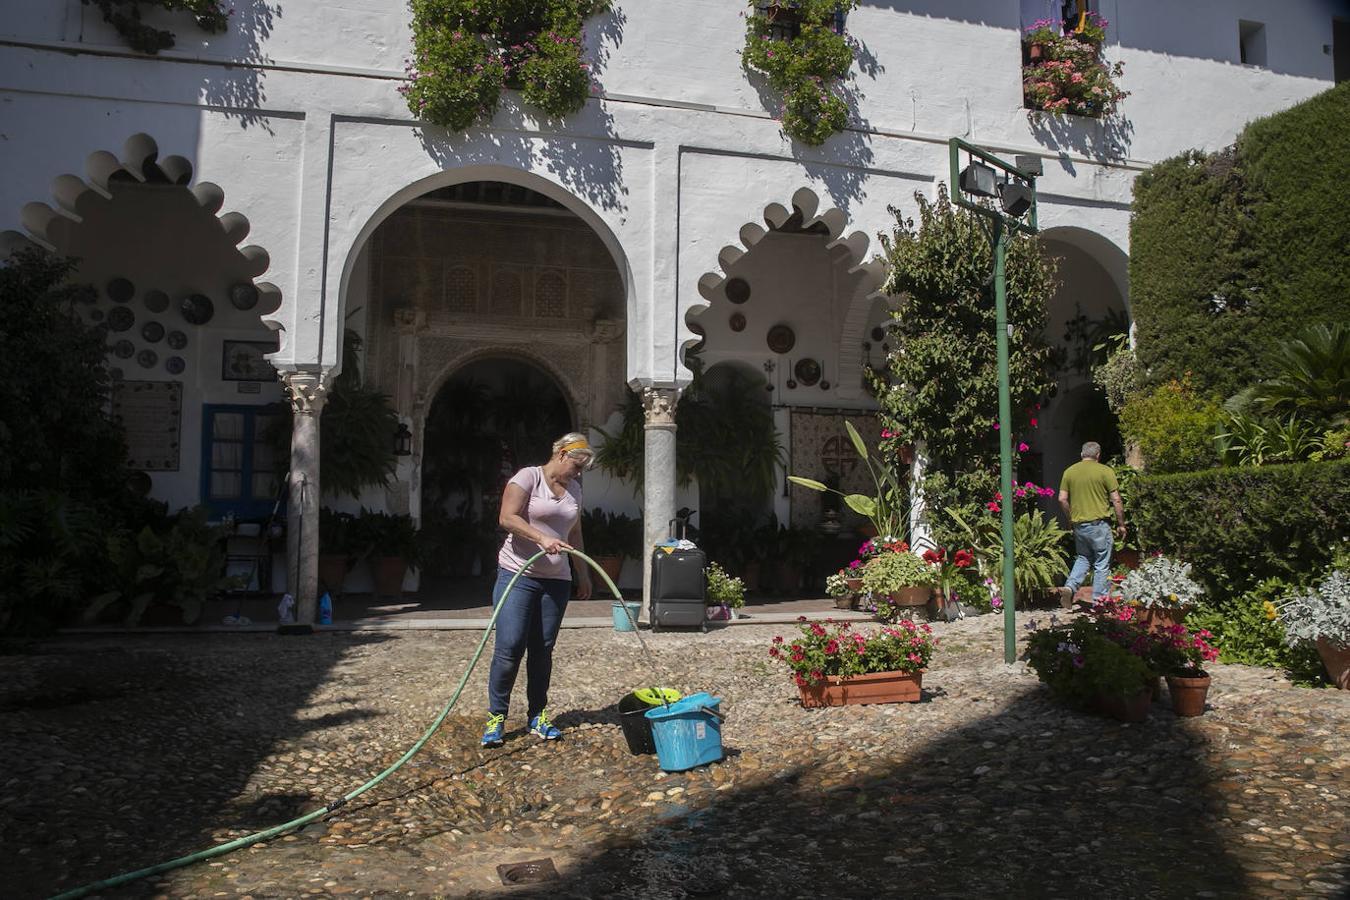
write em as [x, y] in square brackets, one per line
[679, 588]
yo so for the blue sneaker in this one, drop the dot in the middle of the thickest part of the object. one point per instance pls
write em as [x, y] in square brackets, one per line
[492, 732]
[543, 726]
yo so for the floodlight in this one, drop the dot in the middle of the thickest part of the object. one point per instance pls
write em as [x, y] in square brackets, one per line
[978, 179]
[1015, 198]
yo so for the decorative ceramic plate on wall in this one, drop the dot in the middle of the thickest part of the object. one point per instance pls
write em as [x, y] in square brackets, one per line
[156, 301]
[152, 332]
[124, 349]
[781, 339]
[737, 290]
[121, 290]
[147, 358]
[177, 340]
[197, 309]
[120, 318]
[243, 295]
[736, 322]
[174, 365]
[807, 371]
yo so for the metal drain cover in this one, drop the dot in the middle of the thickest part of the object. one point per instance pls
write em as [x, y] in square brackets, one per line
[531, 871]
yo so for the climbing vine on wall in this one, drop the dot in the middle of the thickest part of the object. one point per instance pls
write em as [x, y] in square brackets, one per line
[466, 51]
[125, 16]
[801, 47]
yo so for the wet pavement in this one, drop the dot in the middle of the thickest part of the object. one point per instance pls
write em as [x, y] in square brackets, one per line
[125, 750]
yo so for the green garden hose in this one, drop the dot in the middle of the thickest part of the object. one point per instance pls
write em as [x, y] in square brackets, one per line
[221, 849]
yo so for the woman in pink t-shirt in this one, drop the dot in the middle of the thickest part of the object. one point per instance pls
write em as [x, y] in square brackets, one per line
[541, 510]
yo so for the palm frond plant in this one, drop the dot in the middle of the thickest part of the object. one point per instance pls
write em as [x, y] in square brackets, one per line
[887, 509]
[1039, 559]
[1313, 381]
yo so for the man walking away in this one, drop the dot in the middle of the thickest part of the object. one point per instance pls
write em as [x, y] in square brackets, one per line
[1087, 493]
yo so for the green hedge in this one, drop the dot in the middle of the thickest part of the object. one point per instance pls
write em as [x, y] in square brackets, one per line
[1231, 252]
[1239, 526]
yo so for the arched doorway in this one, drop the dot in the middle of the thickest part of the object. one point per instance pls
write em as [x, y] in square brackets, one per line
[490, 418]
[1089, 308]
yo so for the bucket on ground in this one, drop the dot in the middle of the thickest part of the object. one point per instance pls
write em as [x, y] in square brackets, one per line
[625, 621]
[637, 729]
[687, 733]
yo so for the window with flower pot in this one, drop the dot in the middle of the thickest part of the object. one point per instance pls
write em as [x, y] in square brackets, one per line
[801, 48]
[1063, 70]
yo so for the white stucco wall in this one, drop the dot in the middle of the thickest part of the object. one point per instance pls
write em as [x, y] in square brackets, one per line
[306, 135]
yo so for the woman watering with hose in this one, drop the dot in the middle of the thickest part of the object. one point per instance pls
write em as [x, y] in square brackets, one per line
[541, 510]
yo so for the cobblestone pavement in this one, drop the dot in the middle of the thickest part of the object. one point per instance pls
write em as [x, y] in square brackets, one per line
[122, 752]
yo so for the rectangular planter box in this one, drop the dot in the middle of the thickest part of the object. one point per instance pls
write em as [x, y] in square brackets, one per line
[878, 687]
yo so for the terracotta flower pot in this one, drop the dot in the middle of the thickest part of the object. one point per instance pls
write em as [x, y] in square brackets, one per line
[388, 572]
[332, 572]
[854, 585]
[1034, 52]
[1337, 662]
[878, 687]
[1159, 618]
[1127, 709]
[910, 596]
[1127, 558]
[612, 566]
[1188, 694]
[847, 601]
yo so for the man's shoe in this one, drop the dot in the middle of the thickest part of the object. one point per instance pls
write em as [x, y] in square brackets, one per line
[543, 726]
[1065, 597]
[492, 732]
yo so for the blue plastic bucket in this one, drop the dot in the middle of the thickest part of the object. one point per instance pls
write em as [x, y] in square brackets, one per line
[623, 622]
[688, 733]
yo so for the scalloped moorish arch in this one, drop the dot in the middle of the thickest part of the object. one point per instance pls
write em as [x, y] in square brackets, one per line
[140, 160]
[806, 203]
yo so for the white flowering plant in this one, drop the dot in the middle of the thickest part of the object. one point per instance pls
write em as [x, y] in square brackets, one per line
[1322, 612]
[1161, 583]
[836, 585]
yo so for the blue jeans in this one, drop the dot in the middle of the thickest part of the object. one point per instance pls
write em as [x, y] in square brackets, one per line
[527, 627]
[1092, 541]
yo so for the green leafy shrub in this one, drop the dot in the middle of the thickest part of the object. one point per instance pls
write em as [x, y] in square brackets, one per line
[125, 15]
[1248, 630]
[803, 67]
[1173, 426]
[466, 51]
[1234, 251]
[1239, 526]
[889, 572]
[1080, 664]
[945, 322]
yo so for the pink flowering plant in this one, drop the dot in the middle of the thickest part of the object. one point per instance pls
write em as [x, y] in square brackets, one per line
[1089, 659]
[833, 648]
[1184, 653]
[793, 43]
[1070, 76]
[466, 51]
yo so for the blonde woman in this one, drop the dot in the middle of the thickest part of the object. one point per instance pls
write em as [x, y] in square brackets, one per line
[541, 510]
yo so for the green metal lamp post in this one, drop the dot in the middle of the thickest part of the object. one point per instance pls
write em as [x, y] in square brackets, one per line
[1015, 190]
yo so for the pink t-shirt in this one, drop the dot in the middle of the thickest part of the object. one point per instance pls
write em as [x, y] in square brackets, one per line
[554, 516]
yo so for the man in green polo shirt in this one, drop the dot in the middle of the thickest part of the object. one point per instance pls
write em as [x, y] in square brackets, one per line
[1087, 493]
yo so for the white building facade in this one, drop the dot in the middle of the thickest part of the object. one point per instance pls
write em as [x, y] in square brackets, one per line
[271, 183]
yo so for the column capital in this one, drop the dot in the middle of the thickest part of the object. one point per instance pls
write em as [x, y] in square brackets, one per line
[307, 391]
[658, 405]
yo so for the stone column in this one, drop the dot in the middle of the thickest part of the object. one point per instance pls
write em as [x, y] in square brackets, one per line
[920, 531]
[658, 480]
[307, 392]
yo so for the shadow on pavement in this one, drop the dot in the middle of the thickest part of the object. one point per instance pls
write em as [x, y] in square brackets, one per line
[100, 752]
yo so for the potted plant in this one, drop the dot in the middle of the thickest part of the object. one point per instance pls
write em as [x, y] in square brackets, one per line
[949, 570]
[724, 593]
[885, 509]
[1321, 617]
[1039, 558]
[1181, 656]
[1164, 591]
[896, 579]
[1064, 73]
[838, 587]
[832, 665]
[602, 542]
[335, 548]
[1092, 668]
[392, 547]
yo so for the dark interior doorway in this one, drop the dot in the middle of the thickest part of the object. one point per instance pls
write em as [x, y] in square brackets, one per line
[493, 417]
